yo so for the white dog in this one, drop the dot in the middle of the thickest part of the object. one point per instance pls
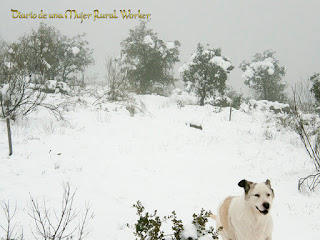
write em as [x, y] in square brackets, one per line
[247, 217]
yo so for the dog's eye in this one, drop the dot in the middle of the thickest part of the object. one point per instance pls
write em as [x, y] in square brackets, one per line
[268, 194]
[257, 195]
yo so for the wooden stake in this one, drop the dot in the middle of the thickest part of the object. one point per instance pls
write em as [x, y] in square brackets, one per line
[230, 113]
[9, 135]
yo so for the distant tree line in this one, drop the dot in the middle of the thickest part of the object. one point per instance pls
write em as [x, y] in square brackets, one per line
[145, 65]
[147, 61]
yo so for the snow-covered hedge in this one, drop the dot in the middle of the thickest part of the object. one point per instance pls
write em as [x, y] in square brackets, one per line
[265, 105]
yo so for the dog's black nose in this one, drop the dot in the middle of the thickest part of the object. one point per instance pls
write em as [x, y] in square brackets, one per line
[266, 205]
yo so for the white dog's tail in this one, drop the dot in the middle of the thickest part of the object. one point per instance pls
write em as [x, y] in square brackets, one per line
[214, 217]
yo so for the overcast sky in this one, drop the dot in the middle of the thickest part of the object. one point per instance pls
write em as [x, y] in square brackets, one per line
[240, 28]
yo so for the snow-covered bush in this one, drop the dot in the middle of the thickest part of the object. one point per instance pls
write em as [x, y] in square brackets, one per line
[53, 86]
[134, 105]
[222, 102]
[264, 75]
[149, 226]
[63, 87]
[265, 105]
[117, 84]
[161, 90]
[206, 73]
[268, 134]
[235, 98]
[183, 98]
[130, 103]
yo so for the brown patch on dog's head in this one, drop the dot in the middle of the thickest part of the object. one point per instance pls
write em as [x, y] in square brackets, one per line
[268, 183]
[247, 185]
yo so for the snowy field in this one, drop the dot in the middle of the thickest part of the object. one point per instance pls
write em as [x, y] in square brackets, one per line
[114, 160]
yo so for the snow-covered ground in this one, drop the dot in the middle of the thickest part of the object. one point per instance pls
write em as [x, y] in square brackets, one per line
[114, 160]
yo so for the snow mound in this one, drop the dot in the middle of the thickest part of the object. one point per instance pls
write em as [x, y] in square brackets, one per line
[190, 231]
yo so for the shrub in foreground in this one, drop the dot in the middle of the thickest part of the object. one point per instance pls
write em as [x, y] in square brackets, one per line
[149, 226]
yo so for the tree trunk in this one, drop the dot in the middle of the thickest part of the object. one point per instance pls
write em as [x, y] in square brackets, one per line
[202, 97]
[9, 135]
[202, 101]
[265, 92]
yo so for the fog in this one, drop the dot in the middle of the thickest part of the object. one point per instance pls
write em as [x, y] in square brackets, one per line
[240, 28]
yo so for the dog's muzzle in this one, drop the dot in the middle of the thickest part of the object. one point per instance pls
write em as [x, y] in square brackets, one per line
[264, 212]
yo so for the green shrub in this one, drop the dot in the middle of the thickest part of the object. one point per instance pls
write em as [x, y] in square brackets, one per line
[148, 226]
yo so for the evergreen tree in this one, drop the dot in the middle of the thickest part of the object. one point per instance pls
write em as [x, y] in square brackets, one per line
[315, 89]
[264, 75]
[206, 72]
[48, 53]
[147, 59]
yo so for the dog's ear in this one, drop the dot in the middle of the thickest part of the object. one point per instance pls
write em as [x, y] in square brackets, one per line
[245, 184]
[268, 183]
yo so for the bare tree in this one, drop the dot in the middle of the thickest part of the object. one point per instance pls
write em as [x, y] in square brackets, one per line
[115, 82]
[305, 96]
[313, 180]
[12, 229]
[19, 98]
[84, 222]
[51, 225]
[20, 92]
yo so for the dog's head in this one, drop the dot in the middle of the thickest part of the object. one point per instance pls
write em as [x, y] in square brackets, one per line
[258, 195]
